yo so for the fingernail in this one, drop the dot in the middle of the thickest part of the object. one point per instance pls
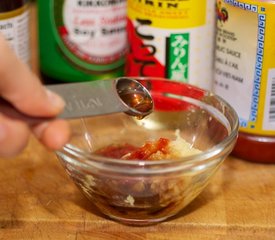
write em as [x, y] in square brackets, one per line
[3, 132]
[55, 100]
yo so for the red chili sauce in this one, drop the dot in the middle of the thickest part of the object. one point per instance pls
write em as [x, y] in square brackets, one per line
[130, 152]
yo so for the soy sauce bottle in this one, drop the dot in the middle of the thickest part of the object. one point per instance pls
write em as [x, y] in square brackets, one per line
[14, 25]
[81, 40]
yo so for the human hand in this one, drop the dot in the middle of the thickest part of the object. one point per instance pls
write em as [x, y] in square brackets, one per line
[20, 87]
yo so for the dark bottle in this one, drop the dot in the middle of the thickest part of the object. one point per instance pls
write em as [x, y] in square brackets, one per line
[14, 25]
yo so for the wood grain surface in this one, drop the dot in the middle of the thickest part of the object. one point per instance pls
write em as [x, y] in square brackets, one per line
[39, 201]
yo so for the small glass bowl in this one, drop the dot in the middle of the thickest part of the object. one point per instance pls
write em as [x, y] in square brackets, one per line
[141, 192]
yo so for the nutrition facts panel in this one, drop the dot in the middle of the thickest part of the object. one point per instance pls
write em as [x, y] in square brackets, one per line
[16, 31]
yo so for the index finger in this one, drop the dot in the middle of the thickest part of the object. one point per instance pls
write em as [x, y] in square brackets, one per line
[21, 87]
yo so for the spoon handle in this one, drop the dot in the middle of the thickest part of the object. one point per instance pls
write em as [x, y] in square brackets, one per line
[89, 98]
[86, 99]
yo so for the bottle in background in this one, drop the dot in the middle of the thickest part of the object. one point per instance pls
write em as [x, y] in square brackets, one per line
[14, 25]
[81, 40]
[173, 39]
[245, 73]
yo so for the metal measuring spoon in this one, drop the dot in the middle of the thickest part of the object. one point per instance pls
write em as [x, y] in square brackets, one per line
[94, 98]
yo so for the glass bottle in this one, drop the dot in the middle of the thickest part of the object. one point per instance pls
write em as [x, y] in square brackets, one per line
[14, 25]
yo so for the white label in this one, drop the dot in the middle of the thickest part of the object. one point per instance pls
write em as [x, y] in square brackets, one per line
[16, 32]
[235, 60]
[98, 28]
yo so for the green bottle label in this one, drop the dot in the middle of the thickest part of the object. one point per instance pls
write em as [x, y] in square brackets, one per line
[178, 66]
[91, 33]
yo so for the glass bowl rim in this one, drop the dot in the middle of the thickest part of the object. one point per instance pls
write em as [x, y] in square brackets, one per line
[87, 158]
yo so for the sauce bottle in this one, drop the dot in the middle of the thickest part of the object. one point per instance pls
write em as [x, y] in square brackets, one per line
[172, 39]
[14, 25]
[245, 73]
[81, 40]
